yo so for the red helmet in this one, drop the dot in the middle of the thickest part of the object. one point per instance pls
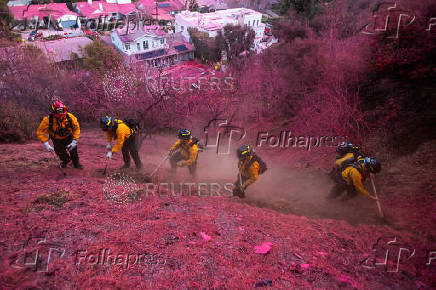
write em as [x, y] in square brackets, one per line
[59, 109]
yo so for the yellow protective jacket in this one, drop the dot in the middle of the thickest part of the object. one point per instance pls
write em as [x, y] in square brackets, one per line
[250, 173]
[353, 177]
[121, 134]
[188, 150]
[43, 131]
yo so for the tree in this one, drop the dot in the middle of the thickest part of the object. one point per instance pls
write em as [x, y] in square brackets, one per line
[235, 39]
[6, 34]
[99, 57]
[192, 5]
[205, 47]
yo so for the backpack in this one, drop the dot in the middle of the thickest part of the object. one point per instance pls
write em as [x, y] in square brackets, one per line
[61, 132]
[196, 141]
[132, 124]
[337, 174]
[262, 164]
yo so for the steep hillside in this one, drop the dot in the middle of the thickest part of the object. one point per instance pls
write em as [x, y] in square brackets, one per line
[65, 233]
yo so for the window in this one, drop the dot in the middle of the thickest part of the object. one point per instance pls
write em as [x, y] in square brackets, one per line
[138, 46]
[181, 27]
[127, 46]
[145, 45]
[257, 23]
[248, 22]
[162, 41]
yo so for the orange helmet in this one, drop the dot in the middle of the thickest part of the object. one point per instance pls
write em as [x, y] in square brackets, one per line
[59, 109]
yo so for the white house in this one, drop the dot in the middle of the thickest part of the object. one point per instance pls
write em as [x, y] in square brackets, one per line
[12, 3]
[118, 1]
[56, 13]
[213, 22]
[139, 41]
[152, 45]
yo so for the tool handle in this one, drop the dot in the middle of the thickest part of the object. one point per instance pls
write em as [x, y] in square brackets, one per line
[376, 197]
[240, 180]
[160, 164]
[60, 168]
[105, 167]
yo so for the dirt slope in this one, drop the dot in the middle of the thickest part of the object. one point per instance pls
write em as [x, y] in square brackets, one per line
[201, 241]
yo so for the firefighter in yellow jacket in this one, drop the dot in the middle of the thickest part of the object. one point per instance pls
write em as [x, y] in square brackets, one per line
[250, 166]
[348, 153]
[352, 177]
[64, 131]
[125, 140]
[184, 152]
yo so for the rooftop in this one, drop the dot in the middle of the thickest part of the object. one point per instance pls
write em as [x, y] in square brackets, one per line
[60, 50]
[215, 20]
[217, 4]
[152, 31]
[163, 8]
[56, 10]
[101, 8]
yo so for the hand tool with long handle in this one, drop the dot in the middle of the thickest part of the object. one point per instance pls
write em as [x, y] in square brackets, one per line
[105, 167]
[60, 168]
[148, 177]
[376, 197]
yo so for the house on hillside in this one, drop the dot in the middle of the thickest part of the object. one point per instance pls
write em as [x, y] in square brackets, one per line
[213, 22]
[105, 11]
[212, 5]
[12, 3]
[61, 51]
[152, 45]
[52, 14]
[163, 12]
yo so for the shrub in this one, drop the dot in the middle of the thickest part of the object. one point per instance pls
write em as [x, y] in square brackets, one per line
[16, 124]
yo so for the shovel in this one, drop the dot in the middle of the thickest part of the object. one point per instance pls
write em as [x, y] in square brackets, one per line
[148, 177]
[380, 212]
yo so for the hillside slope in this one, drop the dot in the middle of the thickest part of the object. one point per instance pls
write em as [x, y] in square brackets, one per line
[60, 233]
